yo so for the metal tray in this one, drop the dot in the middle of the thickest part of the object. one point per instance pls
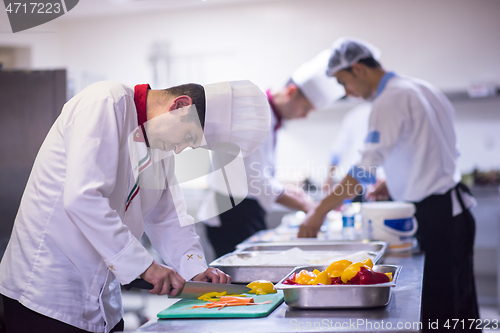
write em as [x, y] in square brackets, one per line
[339, 296]
[307, 245]
[276, 271]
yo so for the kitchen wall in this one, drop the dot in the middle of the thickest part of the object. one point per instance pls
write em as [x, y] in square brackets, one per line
[450, 43]
[303, 148]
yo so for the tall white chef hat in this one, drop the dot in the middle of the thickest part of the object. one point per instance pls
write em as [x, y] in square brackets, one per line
[237, 112]
[346, 51]
[312, 80]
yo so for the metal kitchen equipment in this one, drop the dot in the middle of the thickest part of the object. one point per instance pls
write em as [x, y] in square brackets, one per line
[339, 296]
[276, 271]
[193, 289]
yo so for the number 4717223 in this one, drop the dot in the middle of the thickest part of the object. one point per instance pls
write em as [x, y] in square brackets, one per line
[33, 8]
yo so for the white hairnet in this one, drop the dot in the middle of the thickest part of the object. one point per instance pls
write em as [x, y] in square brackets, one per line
[347, 51]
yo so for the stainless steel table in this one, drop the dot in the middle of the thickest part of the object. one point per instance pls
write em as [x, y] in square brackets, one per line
[402, 314]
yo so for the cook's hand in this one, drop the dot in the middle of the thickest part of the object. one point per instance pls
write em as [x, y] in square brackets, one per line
[166, 281]
[311, 225]
[213, 275]
[379, 193]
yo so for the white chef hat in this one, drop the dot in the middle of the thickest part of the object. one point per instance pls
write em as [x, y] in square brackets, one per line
[313, 82]
[346, 51]
[237, 112]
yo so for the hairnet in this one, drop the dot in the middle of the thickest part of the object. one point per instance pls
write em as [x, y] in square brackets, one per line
[347, 51]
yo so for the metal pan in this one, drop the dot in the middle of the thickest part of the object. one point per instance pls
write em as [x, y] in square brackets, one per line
[275, 271]
[339, 296]
[307, 245]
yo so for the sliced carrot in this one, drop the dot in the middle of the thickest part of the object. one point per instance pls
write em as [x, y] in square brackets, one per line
[228, 301]
[225, 301]
[244, 300]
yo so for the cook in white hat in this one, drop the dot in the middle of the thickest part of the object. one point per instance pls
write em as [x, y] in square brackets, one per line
[77, 234]
[231, 216]
[412, 135]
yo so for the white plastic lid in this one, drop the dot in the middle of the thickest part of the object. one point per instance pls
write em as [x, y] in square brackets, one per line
[392, 207]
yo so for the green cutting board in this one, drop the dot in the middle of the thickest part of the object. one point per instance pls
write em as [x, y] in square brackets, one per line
[181, 308]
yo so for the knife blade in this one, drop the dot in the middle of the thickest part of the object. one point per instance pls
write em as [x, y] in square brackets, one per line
[193, 289]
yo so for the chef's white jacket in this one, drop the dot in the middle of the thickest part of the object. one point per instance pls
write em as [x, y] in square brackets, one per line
[73, 242]
[350, 139]
[411, 134]
[261, 171]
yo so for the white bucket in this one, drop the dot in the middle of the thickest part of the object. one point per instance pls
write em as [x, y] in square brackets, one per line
[390, 221]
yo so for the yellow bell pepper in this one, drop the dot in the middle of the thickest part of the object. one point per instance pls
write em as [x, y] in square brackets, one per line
[337, 267]
[322, 278]
[261, 287]
[390, 276]
[368, 262]
[304, 277]
[211, 295]
[351, 271]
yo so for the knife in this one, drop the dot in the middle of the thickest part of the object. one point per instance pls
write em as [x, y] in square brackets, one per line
[193, 289]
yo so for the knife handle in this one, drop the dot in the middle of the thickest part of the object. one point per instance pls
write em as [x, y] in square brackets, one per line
[139, 284]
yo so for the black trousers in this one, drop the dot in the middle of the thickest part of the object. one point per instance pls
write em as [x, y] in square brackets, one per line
[237, 224]
[20, 319]
[449, 290]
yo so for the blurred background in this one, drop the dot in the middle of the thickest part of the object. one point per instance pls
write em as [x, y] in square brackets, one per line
[453, 44]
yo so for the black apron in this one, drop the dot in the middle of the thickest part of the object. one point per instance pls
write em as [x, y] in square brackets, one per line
[448, 287]
[237, 224]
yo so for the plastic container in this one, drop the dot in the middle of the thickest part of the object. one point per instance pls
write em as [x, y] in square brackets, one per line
[348, 213]
[390, 221]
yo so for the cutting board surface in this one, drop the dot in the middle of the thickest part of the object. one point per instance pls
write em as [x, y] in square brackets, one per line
[180, 309]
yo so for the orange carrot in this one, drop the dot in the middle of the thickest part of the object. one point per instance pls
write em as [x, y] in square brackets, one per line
[243, 300]
[229, 301]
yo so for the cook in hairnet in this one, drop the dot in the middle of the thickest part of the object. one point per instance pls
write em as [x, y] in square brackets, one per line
[102, 177]
[245, 211]
[411, 134]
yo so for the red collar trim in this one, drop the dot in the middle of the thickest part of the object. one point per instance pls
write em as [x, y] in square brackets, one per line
[275, 111]
[140, 99]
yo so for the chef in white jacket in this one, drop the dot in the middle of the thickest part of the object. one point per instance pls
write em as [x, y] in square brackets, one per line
[411, 134]
[348, 143]
[87, 204]
[308, 89]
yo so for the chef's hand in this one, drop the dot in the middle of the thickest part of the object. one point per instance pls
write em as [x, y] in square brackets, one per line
[379, 193]
[213, 275]
[166, 281]
[311, 225]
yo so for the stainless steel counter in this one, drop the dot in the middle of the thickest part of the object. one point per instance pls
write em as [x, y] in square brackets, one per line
[402, 314]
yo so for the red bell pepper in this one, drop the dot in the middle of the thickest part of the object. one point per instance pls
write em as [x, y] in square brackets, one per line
[367, 276]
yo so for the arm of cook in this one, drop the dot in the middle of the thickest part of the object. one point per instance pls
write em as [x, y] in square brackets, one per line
[385, 127]
[173, 236]
[93, 160]
[261, 173]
